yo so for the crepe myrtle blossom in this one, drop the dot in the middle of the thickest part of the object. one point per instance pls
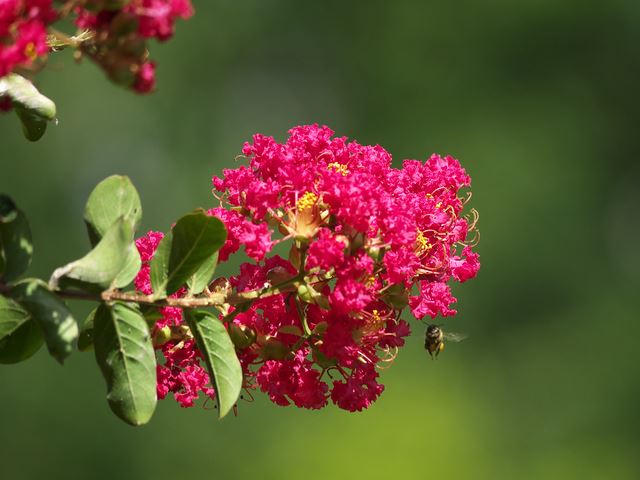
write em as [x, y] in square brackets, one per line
[114, 35]
[119, 44]
[364, 242]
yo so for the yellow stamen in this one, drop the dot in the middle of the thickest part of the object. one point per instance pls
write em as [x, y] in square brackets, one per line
[422, 244]
[30, 51]
[338, 168]
[308, 200]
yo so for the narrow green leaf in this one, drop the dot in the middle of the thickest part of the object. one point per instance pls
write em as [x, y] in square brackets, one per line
[220, 356]
[50, 313]
[15, 240]
[12, 316]
[101, 266]
[202, 278]
[125, 355]
[33, 109]
[85, 339]
[194, 239]
[114, 197]
[22, 344]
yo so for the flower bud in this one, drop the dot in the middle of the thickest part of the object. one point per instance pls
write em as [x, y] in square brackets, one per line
[278, 275]
[321, 359]
[273, 349]
[123, 24]
[396, 297]
[241, 336]
[308, 294]
[162, 336]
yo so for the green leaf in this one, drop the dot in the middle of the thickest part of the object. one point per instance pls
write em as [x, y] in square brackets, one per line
[50, 313]
[101, 266]
[85, 339]
[202, 278]
[130, 269]
[20, 337]
[125, 355]
[191, 244]
[33, 109]
[22, 344]
[12, 316]
[220, 356]
[113, 198]
[16, 246]
[160, 267]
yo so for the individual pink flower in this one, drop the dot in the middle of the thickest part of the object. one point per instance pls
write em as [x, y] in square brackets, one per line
[156, 18]
[256, 238]
[326, 251]
[359, 390]
[435, 298]
[293, 380]
[145, 80]
[463, 269]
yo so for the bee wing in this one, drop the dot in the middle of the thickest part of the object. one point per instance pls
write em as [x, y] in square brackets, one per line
[454, 337]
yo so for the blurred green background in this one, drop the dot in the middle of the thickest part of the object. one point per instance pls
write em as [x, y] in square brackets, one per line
[537, 98]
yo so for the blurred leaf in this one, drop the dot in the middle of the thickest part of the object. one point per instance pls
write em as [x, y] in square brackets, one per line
[22, 344]
[85, 339]
[113, 198]
[33, 109]
[125, 355]
[16, 246]
[101, 266]
[2, 261]
[12, 316]
[33, 126]
[192, 242]
[52, 315]
[220, 356]
[20, 337]
[202, 278]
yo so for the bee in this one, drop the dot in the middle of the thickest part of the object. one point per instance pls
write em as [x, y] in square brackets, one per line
[434, 338]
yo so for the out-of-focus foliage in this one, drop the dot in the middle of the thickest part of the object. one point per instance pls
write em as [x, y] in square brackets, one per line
[537, 98]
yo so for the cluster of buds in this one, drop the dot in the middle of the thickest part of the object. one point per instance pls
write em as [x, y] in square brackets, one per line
[112, 33]
[365, 241]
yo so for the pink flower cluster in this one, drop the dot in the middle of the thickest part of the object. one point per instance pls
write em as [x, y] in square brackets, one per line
[366, 240]
[119, 46]
[116, 36]
[23, 35]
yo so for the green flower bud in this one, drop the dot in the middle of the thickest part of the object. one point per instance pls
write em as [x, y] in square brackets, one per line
[241, 336]
[162, 336]
[273, 349]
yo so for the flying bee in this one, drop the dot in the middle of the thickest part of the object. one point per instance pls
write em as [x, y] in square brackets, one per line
[434, 338]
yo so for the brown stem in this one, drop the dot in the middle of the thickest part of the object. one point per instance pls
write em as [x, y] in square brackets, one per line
[211, 300]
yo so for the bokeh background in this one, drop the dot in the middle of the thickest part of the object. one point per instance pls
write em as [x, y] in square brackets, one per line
[538, 99]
